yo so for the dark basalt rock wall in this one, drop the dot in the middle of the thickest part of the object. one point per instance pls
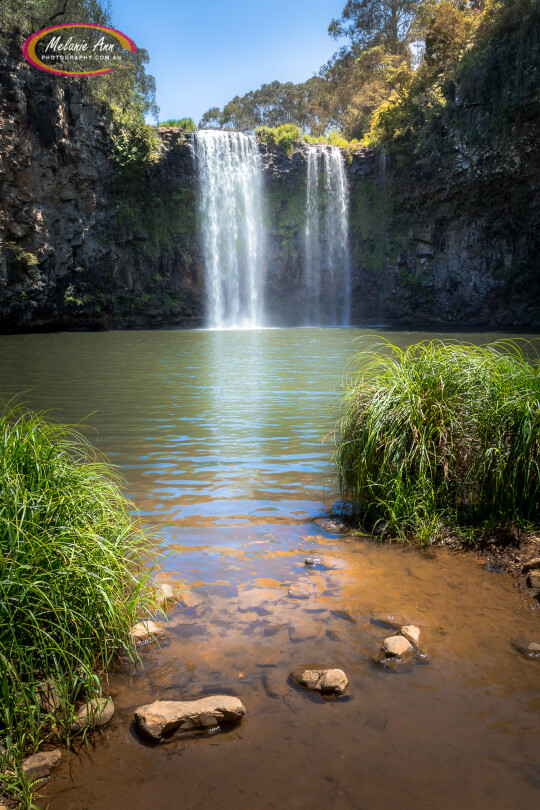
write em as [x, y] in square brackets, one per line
[83, 247]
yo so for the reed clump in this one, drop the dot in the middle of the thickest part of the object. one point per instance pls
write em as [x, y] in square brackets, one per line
[71, 581]
[441, 438]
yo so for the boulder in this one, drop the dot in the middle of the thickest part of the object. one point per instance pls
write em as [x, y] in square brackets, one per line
[39, 765]
[163, 716]
[310, 561]
[397, 647]
[164, 593]
[142, 631]
[533, 580]
[326, 681]
[411, 632]
[95, 713]
[531, 565]
[49, 699]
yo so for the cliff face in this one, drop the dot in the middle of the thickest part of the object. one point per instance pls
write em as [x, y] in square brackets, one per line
[79, 247]
[456, 242]
[82, 247]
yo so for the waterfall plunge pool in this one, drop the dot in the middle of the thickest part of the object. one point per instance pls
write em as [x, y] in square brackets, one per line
[218, 434]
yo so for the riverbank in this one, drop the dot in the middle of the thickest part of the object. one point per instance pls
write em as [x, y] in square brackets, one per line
[442, 440]
[70, 590]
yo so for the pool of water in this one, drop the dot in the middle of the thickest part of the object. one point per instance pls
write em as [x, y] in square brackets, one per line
[220, 438]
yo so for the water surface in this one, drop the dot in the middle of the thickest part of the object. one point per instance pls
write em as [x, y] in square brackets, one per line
[219, 437]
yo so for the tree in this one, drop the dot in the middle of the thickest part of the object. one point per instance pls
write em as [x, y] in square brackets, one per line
[368, 23]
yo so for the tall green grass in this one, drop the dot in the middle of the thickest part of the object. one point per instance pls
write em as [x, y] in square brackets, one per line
[70, 557]
[441, 436]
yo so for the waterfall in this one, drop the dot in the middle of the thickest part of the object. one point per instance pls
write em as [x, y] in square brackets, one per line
[231, 204]
[327, 261]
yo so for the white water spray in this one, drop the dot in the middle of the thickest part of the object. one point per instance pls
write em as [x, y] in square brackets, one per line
[231, 201]
[327, 260]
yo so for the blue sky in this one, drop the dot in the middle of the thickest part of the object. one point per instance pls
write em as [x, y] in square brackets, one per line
[204, 52]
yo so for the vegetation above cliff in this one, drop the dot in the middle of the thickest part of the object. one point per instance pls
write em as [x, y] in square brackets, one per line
[408, 67]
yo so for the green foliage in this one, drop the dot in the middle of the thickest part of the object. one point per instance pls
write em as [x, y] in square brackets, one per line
[126, 96]
[376, 22]
[186, 124]
[441, 436]
[272, 105]
[21, 259]
[136, 144]
[70, 585]
[287, 136]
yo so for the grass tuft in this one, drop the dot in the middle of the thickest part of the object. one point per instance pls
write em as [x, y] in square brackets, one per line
[71, 557]
[441, 437]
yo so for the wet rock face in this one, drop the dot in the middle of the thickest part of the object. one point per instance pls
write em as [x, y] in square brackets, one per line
[156, 719]
[324, 681]
[66, 261]
[437, 246]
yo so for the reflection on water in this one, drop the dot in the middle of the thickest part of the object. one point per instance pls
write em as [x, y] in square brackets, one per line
[219, 437]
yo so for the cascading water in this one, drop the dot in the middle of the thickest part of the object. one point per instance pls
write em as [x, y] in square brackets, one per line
[327, 260]
[231, 204]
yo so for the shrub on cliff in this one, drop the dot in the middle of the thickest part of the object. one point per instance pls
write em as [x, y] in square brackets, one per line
[70, 554]
[285, 136]
[439, 437]
[186, 124]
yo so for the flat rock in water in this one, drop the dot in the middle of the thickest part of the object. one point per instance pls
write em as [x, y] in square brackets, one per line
[39, 765]
[411, 632]
[530, 649]
[397, 647]
[298, 592]
[326, 681]
[96, 713]
[163, 716]
[331, 525]
[142, 631]
[531, 565]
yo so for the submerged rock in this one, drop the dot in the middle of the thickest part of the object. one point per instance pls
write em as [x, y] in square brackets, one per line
[39, 765]
[163, 716]
[298, 592]
[164, 593]
[397, 647]
[142, 631]
[394, 620]
[96, 713]
[326, 681]
[411, 632]
[530, 649]
[331, 525]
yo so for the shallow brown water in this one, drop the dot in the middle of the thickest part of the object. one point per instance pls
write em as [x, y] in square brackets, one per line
[218, 435]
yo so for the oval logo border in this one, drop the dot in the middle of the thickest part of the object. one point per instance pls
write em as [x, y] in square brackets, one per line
[29, 48]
